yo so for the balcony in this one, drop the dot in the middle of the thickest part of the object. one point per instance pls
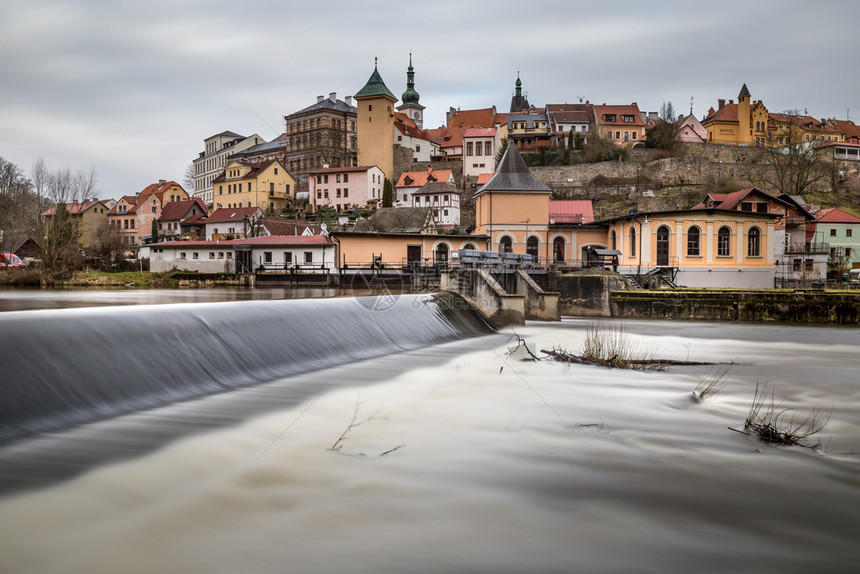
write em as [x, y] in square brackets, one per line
[808, 248]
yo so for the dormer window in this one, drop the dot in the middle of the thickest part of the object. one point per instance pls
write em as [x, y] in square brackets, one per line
[628, 119]
[608, 117]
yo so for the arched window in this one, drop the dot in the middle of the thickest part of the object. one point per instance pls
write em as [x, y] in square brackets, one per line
[693, 240]
[469, 246]
[532, 245]
[442, 253]
[558, 249]
[613, 240]
[754, 242]
[632, 242]
[505, 244]
[724, 242]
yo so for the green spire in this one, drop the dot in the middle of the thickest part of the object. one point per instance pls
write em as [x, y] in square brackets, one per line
[410, 96]
[374, 86]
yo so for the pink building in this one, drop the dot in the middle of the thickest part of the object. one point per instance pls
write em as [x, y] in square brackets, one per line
[691, 130]
[345, 187]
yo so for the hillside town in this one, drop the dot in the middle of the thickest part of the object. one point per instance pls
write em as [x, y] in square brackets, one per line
[742, 197]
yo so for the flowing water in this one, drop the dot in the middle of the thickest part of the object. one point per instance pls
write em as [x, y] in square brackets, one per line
[399, 436]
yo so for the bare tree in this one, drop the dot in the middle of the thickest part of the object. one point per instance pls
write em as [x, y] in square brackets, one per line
[188, 179]
[18, 205]
[797, 164]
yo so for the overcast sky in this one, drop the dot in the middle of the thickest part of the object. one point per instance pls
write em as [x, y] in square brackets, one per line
[133, 88]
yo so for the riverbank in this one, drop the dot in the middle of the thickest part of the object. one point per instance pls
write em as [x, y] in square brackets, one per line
[762, 305]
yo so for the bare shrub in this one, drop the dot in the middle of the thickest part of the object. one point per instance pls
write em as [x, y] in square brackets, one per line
[776, 425]
[711, 383]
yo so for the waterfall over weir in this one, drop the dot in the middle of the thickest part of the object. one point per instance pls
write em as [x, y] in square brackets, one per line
[74, 366]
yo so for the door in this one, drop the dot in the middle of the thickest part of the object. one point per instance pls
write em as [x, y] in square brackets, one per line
[243, 261]
[663, 246]
[413, 255]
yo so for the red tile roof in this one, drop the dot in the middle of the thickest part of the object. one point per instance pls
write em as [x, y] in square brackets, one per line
[480, 133]
[835, 215]
[483, 178]
[452, 134]
[728, 113]
[419, 178]
[571, 211]
[619, 112]
[225, 214]
[177, 210]
[268, 240]
[342, 169]
[75, 208]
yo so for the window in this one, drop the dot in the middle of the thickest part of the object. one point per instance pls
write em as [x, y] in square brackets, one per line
[724, 242]
[635, 134]
[632, 242]
[229, 255]
[276, 173]
[746, 206]
[182, 255]
[345, 177]
[271, 188]
[848, 252]
[309, 256]
[532, 246]
[754, 242]
[693, 237]
[211, 255]
[613, 240]
[832, 233]
[195, 255]
[337, 178]
[618, 135]
[319, 194]
[345, 192]
[337, 192]
[418, 148]
[849, 232]
[479, 148]
[325, 179]
[761, 207]
[220, 255]
[468, 148]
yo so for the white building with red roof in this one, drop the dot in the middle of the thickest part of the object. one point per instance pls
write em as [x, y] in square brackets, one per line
[276, 252]
[412, 181]
[232, 223]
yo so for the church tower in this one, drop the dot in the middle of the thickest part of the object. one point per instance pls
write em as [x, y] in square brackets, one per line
[410, 105]
[375, 118]
[519, 103]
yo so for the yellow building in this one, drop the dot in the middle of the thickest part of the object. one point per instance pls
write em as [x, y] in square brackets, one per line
[748, 123]
[375, 116]
[87, 216]
[267, 185]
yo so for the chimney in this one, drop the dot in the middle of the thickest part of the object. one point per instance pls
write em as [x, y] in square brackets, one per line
[320, 98]
[348, 100]
[162, 181]
[721, 103]
[332, 97]
[731, 101]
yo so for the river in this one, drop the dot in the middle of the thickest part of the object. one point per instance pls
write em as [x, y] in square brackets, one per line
[444, 454]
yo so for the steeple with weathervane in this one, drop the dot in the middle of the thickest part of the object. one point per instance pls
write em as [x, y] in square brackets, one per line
[410, 105]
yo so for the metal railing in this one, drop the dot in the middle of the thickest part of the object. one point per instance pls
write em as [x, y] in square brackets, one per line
[810, 248]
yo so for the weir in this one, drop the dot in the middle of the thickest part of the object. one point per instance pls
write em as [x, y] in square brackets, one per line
[506, 297]
[74, 366]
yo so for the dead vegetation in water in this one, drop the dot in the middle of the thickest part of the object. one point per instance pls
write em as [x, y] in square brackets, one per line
[356, 422]
[774, 424]
[710, 384]
[613, 348]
